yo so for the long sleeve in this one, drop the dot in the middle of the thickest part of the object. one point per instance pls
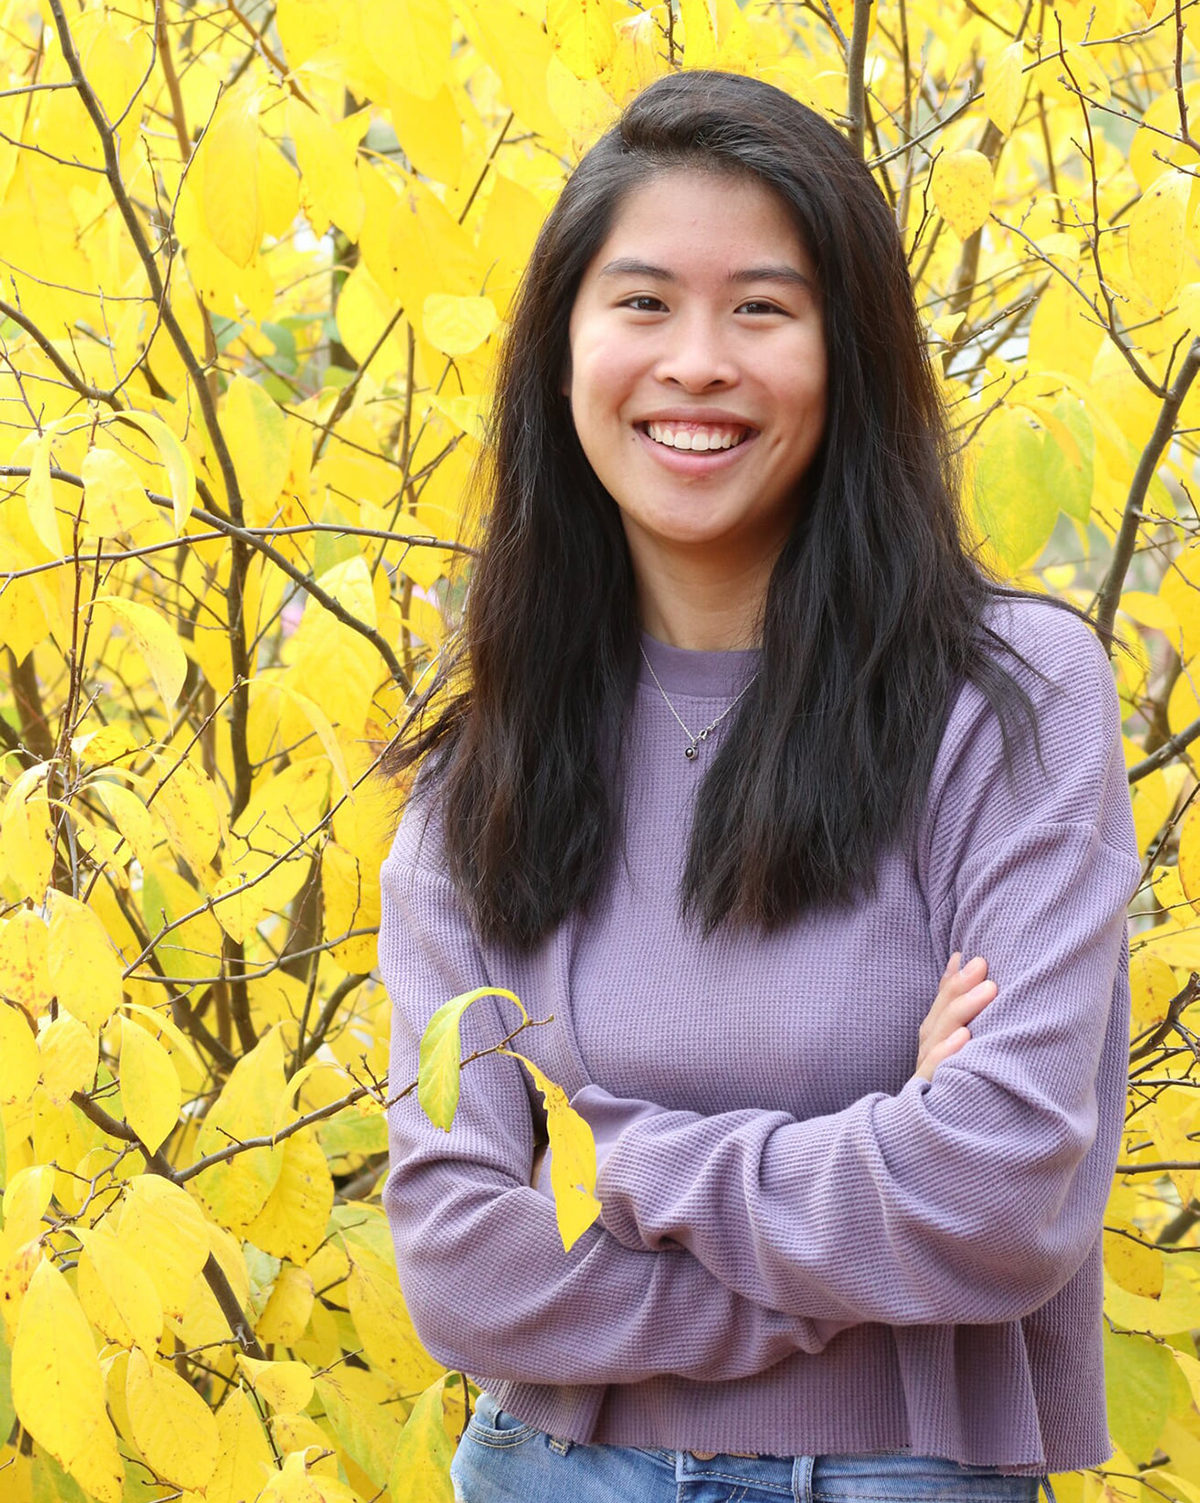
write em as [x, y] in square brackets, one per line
[481, 1266]
[974, 1198]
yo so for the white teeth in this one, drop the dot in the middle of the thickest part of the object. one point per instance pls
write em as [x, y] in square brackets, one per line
[698, 440]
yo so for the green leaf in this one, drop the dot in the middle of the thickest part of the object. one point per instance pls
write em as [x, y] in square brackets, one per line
[1138, 1374]
[441, 1055]
[1014, 507]
[421, 1466]
[7, 1413]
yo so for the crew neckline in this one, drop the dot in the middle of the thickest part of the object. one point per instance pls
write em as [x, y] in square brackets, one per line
[689, 670]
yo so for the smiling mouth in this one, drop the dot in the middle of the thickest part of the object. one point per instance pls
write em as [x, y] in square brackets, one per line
[696, 438]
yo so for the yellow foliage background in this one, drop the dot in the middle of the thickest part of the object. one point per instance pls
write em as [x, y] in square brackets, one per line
[255, 262]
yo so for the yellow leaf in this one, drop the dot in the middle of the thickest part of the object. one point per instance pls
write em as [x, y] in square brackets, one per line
[366, 1424]
[25, 1200]
[307, 28]
[294, 1217]
[236, 1190]
[116, 1291]
[39, 498]
[278, 189]
[85, 970]
[583, 34]
[319, 721]
[173, 1427]
[513, 42]
[1006, 87]
[363, 312]
[150, 1089]
[430, 132]
[1153, 984]
[1157, 236]
[27, 835]
[962, 190]
[24, 972]
[287, 1312]
[154, 638]
[181, 474]
[17, 1267]
[383, 1325]
[351, 901]
[256, 431]
[187, 804]
[286, 1386]
[1189, 856]
[114, 497]
[411, 42]
[129, 815]
[169, 1231]
[271, 844]
[18, 1050]
[229, 189]
[1134, 1264]
[243, 1455]
[572, 1159]
[700, 33]
[295, 1483]
[58, 1388]
[421, 1467]
[457, 325]
[328, 177]
[69, 1056]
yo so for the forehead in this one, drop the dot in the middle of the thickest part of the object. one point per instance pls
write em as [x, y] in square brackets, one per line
[710, 220]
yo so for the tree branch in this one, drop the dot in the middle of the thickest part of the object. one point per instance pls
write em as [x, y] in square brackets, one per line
[856, 64]
[1109, 595]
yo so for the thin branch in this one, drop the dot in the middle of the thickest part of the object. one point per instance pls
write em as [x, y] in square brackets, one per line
[74, 379]
[1109, 595]
[856, 62]
[1164, 753]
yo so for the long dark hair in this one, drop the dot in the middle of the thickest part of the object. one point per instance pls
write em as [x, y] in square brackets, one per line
[873, 614]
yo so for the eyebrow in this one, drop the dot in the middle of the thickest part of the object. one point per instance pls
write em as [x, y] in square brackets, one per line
[627, 266]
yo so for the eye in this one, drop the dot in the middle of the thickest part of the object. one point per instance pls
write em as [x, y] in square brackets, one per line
[759, 306]
[644, 302]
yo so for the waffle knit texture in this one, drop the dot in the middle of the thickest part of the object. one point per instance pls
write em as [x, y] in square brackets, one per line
[803, 1249]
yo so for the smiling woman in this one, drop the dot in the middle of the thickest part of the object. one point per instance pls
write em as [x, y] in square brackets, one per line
[735, 758]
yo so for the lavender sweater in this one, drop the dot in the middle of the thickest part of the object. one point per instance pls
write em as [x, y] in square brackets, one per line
[803, 1250]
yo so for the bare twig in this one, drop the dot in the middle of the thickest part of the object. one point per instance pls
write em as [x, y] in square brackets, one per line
[1109, 595]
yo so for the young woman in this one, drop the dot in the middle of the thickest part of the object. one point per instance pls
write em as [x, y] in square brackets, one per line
[738, 747]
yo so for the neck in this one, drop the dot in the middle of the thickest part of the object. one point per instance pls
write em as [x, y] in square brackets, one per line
[704, 605]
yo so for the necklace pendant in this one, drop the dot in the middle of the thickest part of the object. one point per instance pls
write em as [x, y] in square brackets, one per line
[692, 752]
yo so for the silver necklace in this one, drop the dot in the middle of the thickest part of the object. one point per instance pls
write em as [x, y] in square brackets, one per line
[692, 750]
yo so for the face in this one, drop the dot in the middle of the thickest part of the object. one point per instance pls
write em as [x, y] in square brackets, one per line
[698, 373]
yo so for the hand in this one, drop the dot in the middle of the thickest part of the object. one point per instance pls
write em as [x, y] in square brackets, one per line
[962, 995]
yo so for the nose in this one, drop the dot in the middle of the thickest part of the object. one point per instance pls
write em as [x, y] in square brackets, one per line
[696, 356]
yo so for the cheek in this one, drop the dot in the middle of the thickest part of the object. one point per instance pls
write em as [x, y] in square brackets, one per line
[602, 373]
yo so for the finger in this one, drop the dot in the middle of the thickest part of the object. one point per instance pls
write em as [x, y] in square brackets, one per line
[940, 1052]
[969, 974]
[953, 987]
[952, 1015]
[952, 966]
[969, 1005]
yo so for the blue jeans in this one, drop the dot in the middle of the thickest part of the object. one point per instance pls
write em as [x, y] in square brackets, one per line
[502, 1460]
